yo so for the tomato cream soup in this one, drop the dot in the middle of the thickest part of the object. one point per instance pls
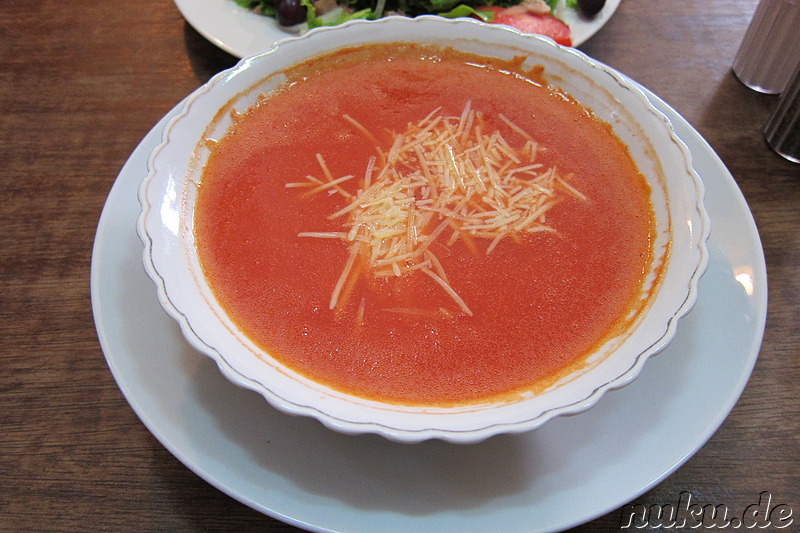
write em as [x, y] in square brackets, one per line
[421, 226]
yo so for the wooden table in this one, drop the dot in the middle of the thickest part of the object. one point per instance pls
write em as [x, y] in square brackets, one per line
[83, 81]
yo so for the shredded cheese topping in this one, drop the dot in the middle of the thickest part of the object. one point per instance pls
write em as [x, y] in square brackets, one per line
[444, 179]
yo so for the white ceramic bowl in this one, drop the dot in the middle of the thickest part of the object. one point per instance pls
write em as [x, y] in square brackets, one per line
[170, 259]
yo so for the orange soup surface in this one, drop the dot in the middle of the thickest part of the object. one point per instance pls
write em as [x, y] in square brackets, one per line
[422, 226]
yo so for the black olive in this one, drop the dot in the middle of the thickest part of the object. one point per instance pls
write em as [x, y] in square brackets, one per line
[290, 12]
[590, 8]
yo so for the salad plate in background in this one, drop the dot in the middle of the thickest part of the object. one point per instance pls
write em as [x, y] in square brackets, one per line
[243, 32]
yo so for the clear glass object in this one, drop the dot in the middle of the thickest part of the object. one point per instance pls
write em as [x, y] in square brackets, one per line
[770, 49]
[782, 131]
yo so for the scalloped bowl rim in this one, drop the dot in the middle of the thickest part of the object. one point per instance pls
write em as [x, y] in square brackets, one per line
[168, 256]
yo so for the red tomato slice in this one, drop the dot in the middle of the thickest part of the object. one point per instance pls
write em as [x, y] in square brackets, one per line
[546, 25]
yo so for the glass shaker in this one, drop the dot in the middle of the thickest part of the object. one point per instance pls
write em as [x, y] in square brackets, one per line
[782, 131]
[770, 49]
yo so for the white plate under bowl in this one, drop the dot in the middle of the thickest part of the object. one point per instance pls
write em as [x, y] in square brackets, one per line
[171, 260]
[242, 33]
[566, 473]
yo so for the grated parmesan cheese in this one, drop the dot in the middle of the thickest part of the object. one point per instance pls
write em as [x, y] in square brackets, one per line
[444, 179]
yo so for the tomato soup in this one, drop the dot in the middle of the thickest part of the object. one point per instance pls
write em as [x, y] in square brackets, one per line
[422, 226]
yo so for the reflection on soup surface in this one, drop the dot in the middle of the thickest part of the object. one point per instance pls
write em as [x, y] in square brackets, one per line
[422, 226]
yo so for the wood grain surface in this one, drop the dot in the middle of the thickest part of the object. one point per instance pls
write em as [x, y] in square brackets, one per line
[82, 82]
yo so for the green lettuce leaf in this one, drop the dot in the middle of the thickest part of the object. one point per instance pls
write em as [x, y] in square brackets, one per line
[463, 10]
[333, 18]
